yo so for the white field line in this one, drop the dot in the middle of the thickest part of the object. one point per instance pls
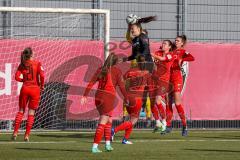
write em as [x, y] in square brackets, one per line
[183, 140]
[227, 140]
[52, 132]
[134, 141]
[136, 131]
[45, 142]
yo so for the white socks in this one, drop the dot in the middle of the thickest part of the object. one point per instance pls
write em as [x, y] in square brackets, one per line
[158, 123]
[95, 145]
[107, 143]
[164, 122]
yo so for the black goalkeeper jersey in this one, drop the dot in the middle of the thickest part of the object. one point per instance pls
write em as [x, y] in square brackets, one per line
[140, 46]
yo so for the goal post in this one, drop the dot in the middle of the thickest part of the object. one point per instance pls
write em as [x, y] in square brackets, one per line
[61, 40]
[105, 12]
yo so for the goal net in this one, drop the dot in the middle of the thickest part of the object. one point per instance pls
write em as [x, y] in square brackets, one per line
[70, 44]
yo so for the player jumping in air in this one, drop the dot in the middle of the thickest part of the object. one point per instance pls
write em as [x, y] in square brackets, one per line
[140, 45]
[108, 78]
[161, 77]
[140, 42]
[30, 72]
[133, 19]
[180, 55]
[136, 79]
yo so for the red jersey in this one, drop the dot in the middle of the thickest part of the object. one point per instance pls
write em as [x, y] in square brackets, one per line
[137, 80]
[179, 56]
[31, 74]
[163, 67]
[109, 82]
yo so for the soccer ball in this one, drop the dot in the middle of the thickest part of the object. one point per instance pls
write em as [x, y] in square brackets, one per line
[132, 19]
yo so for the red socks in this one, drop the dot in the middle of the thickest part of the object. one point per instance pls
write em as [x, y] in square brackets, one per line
[103, 129]
[99, 133]
[154, 112]
[181, 114]
[161, 111]
[18, 121]
[169, 112]
[107, 131]
[127, 126]
[128, 131]
[30, 122]
[123, 126]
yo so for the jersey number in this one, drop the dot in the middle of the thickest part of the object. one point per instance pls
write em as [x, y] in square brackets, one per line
[29, 73]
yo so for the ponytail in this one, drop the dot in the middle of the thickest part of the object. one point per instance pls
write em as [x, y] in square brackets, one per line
[147, 19]
[110, 61]
[26, 55]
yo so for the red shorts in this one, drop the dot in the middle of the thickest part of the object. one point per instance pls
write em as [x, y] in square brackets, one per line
[105, 102]
[177, 81]
[160, 86]
[29, 95]
[164, 87]
[135, 106]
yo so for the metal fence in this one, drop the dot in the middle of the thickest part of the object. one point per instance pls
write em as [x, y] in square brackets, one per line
[208, 21]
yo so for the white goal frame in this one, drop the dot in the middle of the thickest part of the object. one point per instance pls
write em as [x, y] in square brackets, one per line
[70, 11]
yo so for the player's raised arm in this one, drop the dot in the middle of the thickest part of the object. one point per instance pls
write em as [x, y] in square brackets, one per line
[139, 38]
[188, 57]
[168, 57]
[128, 35]
[131, 19]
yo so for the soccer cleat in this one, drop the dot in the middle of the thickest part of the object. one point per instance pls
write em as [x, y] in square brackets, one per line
[184, 131]
[108, 148]
[14, 137]
[163, 128]
[163, 132]
[168, 129]
[26, 138]
[157, 129]
[125, 141]
[96, 150]
[112, 134]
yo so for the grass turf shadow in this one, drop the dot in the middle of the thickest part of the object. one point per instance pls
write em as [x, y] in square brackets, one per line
[213, 150]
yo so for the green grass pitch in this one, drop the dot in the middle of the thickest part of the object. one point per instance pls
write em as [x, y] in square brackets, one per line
[199, 145]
